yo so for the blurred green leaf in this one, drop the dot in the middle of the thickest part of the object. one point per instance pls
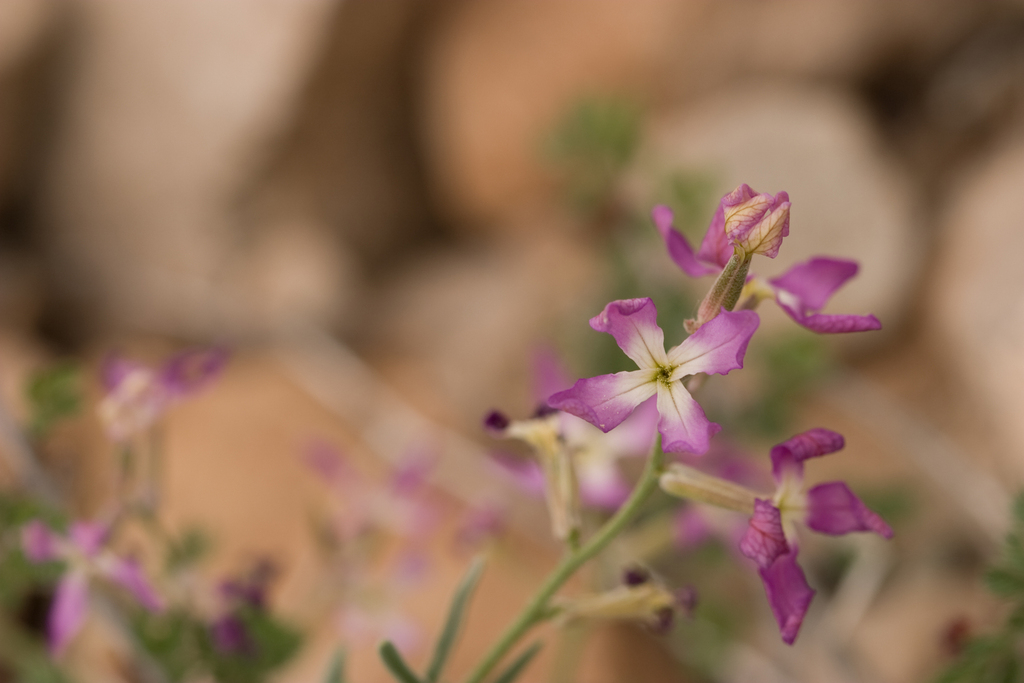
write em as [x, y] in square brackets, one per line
[518, 665]
[189, 548]
[336, 671]
[455, 615]
[54, 393]
[393, 660]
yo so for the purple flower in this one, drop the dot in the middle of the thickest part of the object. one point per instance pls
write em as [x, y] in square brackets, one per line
[480, 524]
[771, 541]
[607, 400]
[87, 560]
[596, 454]
[230, 636]
[801, 292]
[138, 395]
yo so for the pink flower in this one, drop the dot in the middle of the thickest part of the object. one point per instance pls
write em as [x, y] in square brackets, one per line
[87, 560]
[607, 400]
[801, 292]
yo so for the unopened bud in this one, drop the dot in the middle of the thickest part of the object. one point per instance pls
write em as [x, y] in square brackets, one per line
[724, 293]
[756, 223]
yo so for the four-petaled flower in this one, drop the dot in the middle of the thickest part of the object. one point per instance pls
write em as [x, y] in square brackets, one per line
[801, 292]
[87, 560]
[771, 540]
[605, 401]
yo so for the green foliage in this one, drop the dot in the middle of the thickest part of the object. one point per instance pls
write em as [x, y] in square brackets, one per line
[54, 393]
[187, 549]
[456, 613]
[518, 665]
[184, 648]
[19, 578]
[592, 144]
[336, 671]
[393, 660]
[997, 658]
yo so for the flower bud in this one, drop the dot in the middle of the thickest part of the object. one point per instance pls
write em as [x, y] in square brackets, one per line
[687, 482]
[756, 223]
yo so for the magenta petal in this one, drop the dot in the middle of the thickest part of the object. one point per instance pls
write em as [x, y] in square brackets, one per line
[114, 369]
[128, 574]
[764, 540]
[823, 323]
[716, 247]
[39, 543]
[634, 324]
[683, 425]
[679, 249]
[833, 508]
[67, 612]
[789, 596]
[88, 537]
[605, 401]
[813, 443]
[813, 282]
[718, 346]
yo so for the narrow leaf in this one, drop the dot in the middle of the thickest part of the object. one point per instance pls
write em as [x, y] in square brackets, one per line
[455, 614]
[336, 672]
[518, 665]
[393, 660]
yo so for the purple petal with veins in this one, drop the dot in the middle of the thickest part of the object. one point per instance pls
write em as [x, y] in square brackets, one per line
[764, 540]
[788, 456]
[39, 543]
[128, 574]
[605, 401]
[789, 596]
[805, 288]
[716, 246]
[67, 613]
[832, 508]
[633, 323]
[718, 346]
[679, 249]
[683, 425]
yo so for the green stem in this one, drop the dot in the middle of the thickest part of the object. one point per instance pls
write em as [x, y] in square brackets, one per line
[536, 610]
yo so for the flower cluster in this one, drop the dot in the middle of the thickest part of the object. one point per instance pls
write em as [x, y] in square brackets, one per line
[745, 224]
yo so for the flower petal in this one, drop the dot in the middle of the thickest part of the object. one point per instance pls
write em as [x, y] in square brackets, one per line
[684, 427]
[88, 537]
[717, 347]
[813, 282]
[606, 400]
[832, 508]
[601, 483]
[824, 323]
[716, 246]
[633, 323]
[679, 249]
[189, 371]
[39, 543]
[788, 456]
[789, 596]
[128, 574]
[67, 612]
[757, 223]
[764, 540]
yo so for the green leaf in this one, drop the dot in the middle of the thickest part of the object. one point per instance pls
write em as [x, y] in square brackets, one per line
[455, 615]
[396, 665]
[336, 672]
[53, 393]
[1018, 508]
[187, 549]
[519, 664]
[1005, 582]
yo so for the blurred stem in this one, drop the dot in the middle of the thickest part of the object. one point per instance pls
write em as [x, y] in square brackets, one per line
[537, 610]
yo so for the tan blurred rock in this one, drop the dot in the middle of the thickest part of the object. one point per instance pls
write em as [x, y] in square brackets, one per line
[456, 330]
[497, 75]
[850, 199]
[23, 23]
[168, 108]
[976, 301]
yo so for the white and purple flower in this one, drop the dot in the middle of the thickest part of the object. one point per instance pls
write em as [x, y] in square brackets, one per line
[137, 395]
[756, 223]
[771, 538]
[607, 400]
[83, 550]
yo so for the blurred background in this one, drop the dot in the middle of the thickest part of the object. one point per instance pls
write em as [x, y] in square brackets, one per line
[385, 207]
